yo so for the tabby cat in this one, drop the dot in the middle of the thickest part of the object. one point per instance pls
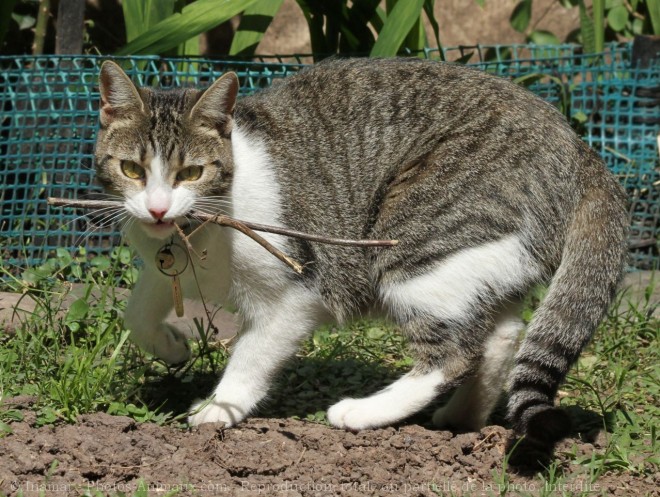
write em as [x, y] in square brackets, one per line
[486, 186]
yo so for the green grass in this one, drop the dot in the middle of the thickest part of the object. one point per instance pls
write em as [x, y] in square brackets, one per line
[78, 360]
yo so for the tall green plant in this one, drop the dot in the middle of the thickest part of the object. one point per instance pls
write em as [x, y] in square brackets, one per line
[193, 19]
[604, 20]
[341, 26]
[520, 20]
[254, 23]
[404, 16]
[654, 15]
[599, 25]
[362, 26]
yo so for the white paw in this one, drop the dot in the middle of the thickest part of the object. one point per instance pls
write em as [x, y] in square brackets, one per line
[170, 345]
[210, 411]
[353, 414]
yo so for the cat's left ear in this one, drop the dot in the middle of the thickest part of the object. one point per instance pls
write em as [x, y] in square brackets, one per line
[215, 107]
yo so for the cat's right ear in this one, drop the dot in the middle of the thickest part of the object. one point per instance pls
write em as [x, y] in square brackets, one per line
[119, 96]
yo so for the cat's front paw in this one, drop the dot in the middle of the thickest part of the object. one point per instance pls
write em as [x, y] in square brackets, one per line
[352, 414]
[211, 411]
[167, 343]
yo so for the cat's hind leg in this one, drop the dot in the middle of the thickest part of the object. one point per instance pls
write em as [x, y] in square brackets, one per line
[446, 350]
[439, 368]
[469, 407]
[447, 316]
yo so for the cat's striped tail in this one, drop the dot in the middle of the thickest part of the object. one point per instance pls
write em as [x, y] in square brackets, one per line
[579, 295]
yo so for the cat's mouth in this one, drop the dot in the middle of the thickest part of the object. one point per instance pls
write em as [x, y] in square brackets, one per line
[159, 228]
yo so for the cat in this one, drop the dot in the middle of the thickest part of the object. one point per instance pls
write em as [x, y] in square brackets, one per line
[486, 186]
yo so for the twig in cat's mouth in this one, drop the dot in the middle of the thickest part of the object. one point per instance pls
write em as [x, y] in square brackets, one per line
[246, 227]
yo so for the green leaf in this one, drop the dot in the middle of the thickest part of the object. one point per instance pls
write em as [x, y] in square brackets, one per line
[46, 415]
[541, 37]
[416, 39]
[599, 25]
[124, 254]
[100, 262]
[429, 8]
[587, 29]
[481, 3]
[78, 310]
[521, 15]
[355, 24]
[375, 333]
[140, 15]
[398, 24]
[195, 18]
[24, 22]
[580, 117]
[5, 429]
[464, 59]
[653, 7]
[617, 18]
[254, 23]
[189, 48]
[315, 24]
[64, 256]
[378, 20]
[528, 79]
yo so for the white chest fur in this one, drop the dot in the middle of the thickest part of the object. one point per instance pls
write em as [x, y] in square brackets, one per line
[255, 197]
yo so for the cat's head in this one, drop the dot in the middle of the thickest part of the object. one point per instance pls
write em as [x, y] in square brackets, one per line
[165, 153]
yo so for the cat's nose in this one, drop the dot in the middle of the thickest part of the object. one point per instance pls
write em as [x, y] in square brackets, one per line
[158, 214]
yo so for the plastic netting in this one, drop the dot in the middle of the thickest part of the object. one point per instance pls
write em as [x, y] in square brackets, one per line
[49, 122]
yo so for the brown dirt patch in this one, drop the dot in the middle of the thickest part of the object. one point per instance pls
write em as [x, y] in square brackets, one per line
[285, 457]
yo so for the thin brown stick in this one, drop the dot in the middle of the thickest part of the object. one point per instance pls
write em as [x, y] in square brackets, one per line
[231, 222]
[277, 230]
[225, 221]
[186, 239]
[243, 228]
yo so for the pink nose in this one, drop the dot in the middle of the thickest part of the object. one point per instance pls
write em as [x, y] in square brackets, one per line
[158, 214]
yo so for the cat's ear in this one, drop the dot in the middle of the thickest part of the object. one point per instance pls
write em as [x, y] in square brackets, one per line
[119, 96]
[216, 104]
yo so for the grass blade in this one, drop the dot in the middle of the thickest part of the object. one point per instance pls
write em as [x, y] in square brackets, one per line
[195, 18]
[521, 16]
[140, 15]
[599, 25]
[429, 8]
[654, 14]
[134, 18]
[398, 24]
[587, 29]
[254, 23]
[316, 34]
[356, 24]
[378, 19]
[416, 39]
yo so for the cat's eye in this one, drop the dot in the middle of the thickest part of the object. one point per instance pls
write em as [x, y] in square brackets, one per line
[191, 173]
[132, 170]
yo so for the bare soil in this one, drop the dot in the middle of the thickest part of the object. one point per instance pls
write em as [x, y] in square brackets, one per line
[286, 457]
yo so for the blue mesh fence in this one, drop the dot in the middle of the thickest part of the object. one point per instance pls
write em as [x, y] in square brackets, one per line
[49, 121]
